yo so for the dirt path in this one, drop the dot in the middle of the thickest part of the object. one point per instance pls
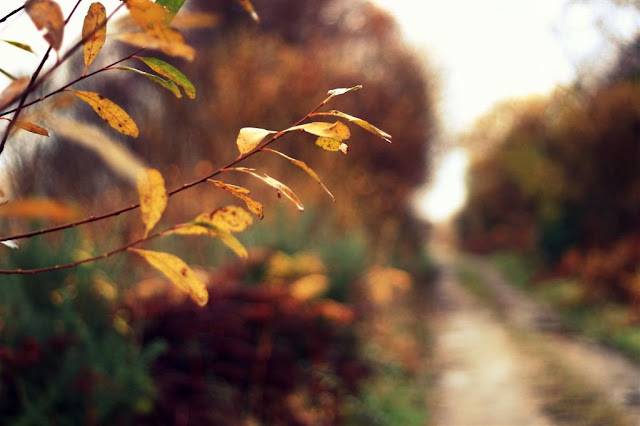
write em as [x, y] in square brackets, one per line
[500, 362]
[482, 375]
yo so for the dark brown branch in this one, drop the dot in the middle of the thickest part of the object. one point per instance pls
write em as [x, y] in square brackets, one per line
[36, 82]
[83, 261]
[135, 206]
[10, 14]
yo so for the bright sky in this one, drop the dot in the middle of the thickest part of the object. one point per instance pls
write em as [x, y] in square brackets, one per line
[486, 51]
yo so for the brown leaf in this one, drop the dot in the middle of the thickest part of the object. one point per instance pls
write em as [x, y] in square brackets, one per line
[178, 272]
[13, 91]
[48, 15]
[153, 197]
[94, 31]
[110, 112]
[242, 193]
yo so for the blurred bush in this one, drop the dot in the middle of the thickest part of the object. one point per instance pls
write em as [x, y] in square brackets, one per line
[559, 179]
[68, 352]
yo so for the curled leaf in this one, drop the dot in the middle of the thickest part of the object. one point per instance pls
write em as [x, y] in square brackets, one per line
[337, 130]
[306, 168]
[178, 272]
[94, 32]
[48, 15]
[343, 148]
[246, 4]
[242, 193]
[153, 197]
[205, 228]
[13, 91]
[110, 112]
[172, 73]
[167, 84]
[250, 137]
[362, 123]
[282, 188]
[342, 90]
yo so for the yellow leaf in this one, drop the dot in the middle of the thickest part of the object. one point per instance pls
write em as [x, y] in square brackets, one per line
[246, 4]
[309, 287]
[250, 137]
[229, 218]
[242, 193]
[204, 228]
[153, 197]
[328, 144]
[39, 208]
[306, 168]
[167, 40]
[178, 272]
[48, 15]
[337, 130]
[13, 91]
[282, 188]
[94, 31]
[362, 123]
[110, 112]
[148, 14]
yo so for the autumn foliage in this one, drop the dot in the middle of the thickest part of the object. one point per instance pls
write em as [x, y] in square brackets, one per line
[561, 180]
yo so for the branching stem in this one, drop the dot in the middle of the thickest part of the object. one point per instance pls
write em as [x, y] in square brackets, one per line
[181, 188]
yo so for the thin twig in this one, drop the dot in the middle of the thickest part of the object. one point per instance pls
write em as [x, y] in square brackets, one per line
[10, 14]
[34, 83]
[135, 206]
[77, 80]
[83, 261]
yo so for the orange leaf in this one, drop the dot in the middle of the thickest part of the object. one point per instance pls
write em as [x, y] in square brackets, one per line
[168, 40]
[13, 91]
[198, 227]
[153, 197]
[48, 15]
[30, 127]
[94, 30]
[39, 208]
[178, 272]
